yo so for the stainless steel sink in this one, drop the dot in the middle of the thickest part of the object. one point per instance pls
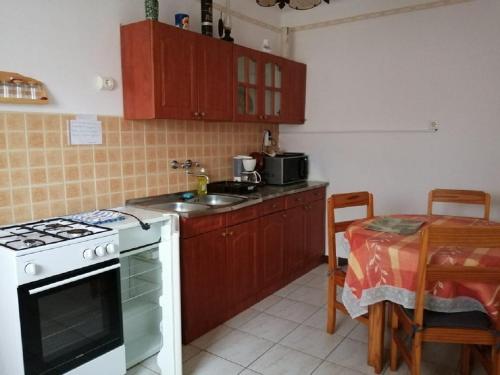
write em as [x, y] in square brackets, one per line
[180, 207]
[217, 200]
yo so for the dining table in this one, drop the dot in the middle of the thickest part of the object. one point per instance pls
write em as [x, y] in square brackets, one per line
[382, 266]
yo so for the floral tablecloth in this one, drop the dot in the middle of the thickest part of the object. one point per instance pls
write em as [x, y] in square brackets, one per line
[383, 266]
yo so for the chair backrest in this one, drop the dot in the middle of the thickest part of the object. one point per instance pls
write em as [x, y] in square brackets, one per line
[335, 201]
[460, 196]
[466, 236]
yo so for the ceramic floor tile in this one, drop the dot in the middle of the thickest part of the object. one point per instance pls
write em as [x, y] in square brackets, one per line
[351, 354]
[312, 341]
[292, 310]
[345, 324]
[269, 327]
[283, 292]
[242, 318]
[304, 279]
[151, 364]
[240, 347]
[318, 282]
[322, 269]
[317, 320]
[360, 333]
[212, 336]
[267, 303]
[249, 372]
[281, 360]
[425, 369]
[312, 296]
[208, 364]
[328, 368]
[140, 370]
[441, 354]
[188, 352]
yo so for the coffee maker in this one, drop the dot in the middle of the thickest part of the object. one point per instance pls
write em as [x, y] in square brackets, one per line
[238, 168]
[244, 169]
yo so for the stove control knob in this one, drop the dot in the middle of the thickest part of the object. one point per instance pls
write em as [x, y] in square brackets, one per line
[31, 269]
[111, 248]
[100, 251]
[89, 254]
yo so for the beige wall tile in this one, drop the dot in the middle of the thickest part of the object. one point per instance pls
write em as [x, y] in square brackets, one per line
[38, 167]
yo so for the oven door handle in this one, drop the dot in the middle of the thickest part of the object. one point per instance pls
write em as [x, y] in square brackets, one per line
[73, 279]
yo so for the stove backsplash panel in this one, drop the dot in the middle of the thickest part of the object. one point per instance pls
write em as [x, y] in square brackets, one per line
[41, 175]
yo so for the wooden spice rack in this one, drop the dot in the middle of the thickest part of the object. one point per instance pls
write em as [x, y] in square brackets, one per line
[12, 77]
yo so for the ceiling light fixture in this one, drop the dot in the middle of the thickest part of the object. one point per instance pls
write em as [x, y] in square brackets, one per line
[295, 4]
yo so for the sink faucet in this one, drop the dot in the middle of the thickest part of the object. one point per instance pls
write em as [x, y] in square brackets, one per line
[186, 165]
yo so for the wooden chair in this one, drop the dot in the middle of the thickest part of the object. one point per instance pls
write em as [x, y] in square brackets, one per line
[336, 270]
[464, 328]
[460, 196]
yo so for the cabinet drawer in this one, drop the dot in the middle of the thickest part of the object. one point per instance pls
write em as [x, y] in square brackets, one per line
[242, 215]
[295, 200]
[271, 206]
[316, 194]
[194, 226]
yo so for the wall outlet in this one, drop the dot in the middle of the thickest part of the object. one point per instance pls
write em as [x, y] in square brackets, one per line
[105, 83]
[434, 126]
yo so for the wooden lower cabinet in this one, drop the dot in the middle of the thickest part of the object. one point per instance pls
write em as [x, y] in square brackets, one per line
[204, 280]
[314, 233]
[231, 261]
[241, 254]
[295, 241]
[271, 252]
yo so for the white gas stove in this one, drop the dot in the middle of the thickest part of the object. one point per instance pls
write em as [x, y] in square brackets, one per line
[60, 288]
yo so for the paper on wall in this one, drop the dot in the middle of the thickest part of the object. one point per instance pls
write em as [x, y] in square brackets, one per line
[85, 131]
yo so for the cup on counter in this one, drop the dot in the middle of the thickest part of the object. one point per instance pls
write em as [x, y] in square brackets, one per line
[182, 21]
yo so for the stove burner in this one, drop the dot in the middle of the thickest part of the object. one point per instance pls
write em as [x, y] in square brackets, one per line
[78, 232]
[55, 226]
[33, 243]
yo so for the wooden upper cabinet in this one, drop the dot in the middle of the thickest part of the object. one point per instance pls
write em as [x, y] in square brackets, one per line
[294, 95]
[268, 88]
[247, 84]
[171, 73]
[273, 87]
[215, 79]
[175, 84]
[175, 74]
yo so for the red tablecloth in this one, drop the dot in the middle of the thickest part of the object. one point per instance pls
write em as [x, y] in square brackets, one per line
[383, 266]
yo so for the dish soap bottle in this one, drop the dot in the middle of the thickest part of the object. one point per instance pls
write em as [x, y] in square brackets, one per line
[202, 182]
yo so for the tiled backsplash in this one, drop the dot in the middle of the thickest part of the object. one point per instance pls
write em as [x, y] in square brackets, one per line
[41, 175]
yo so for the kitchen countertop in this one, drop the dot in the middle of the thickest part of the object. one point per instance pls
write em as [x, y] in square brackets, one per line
[264, 193]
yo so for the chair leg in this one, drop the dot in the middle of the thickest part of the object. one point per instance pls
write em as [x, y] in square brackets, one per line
[495, 360]
[465, 360]
[416, 354]
[332, 311]
[394, 331]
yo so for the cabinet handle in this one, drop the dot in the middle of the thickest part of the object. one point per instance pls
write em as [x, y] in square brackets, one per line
[261, 117]
[196, 114]
[202, 114]
[231, 233]
[284, 216]
[274, 205]
[224, 234]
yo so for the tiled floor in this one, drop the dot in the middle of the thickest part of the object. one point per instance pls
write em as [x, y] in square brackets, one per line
[285, 335]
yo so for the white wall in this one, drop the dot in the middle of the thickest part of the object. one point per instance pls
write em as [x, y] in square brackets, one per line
[402, 72]
[66, 43]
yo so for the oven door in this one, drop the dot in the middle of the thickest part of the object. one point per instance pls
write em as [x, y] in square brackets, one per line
[70, 319]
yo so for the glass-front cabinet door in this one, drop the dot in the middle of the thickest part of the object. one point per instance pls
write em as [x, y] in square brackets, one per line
[273, 70]
[247, 84]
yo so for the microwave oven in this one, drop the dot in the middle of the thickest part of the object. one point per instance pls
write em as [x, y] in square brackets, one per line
[286, 168]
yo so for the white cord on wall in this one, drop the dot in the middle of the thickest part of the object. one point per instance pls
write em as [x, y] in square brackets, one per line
[433, 128]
